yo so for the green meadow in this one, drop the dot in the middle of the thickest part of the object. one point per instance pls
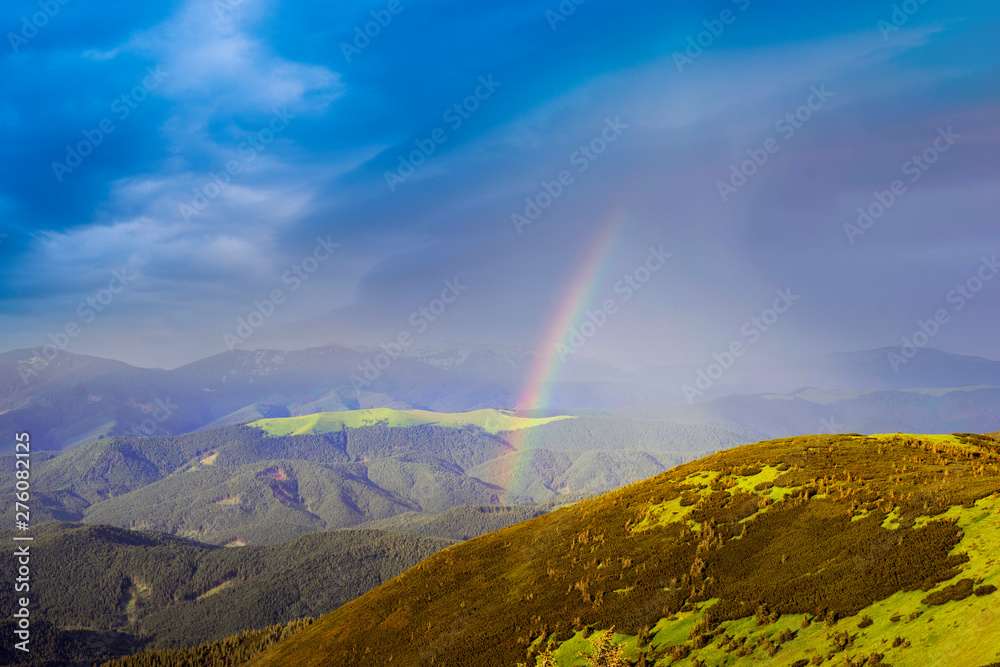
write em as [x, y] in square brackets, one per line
[491, 421]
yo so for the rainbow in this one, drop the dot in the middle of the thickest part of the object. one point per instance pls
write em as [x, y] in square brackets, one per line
[576, 297]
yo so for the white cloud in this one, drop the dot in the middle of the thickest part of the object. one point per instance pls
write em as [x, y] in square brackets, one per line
[223, 66]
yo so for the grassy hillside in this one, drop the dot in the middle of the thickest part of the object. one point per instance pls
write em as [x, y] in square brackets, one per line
[843, 550]
[491, 421]
[162, 591]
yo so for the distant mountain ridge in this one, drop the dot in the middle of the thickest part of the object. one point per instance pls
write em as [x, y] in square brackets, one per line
[74, 399]
[866, 369]
[812, 411]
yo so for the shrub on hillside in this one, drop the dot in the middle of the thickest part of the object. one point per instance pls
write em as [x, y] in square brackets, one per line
[955, 592]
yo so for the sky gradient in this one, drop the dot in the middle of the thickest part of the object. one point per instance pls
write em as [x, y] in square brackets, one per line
[218, 153]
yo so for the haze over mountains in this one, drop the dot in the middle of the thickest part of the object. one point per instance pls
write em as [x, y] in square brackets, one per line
[296, 460]
[74, 399]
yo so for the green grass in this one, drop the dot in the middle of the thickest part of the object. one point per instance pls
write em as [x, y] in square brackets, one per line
[136, 595]
[722, 559]
[942, 631]
[218, 589]
[966, 632]
[491, 421]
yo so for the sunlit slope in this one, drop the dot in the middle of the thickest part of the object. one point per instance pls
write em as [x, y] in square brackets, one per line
[491, 421]
[811, 550]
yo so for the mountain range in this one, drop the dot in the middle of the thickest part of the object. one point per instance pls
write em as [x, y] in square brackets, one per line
[74, 399]
[277, 479]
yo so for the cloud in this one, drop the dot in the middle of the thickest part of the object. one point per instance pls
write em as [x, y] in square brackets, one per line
[217, 63]
[323, 173]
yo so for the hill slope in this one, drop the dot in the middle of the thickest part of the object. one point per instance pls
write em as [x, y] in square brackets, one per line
[286, 477]
[145, 588]
[459, 523]
[792, 552]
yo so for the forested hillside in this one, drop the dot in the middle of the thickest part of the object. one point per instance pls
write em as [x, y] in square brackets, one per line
[240, 484]
[154, 590]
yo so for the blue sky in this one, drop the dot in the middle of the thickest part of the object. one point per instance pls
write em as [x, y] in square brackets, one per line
[265, 88]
